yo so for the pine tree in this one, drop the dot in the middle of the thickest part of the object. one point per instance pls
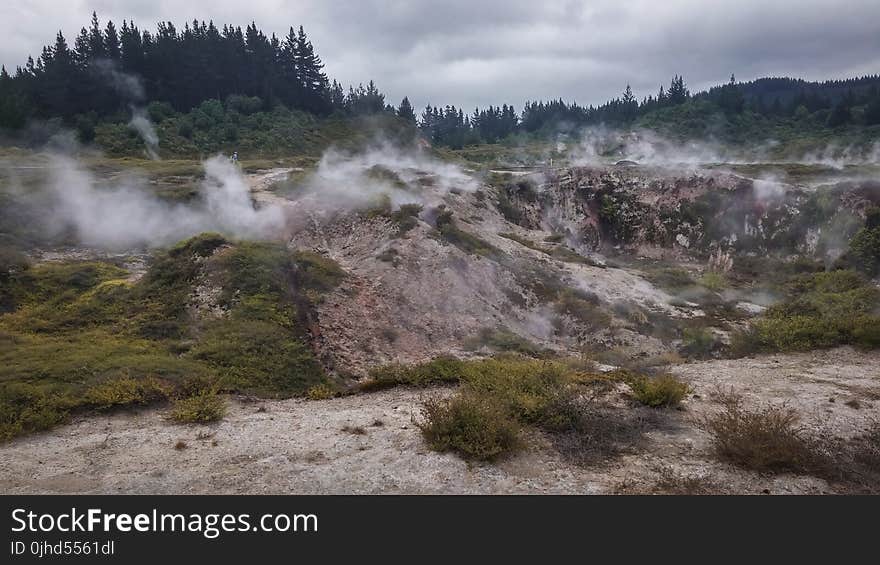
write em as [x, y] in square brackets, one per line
[678, 92]
[405, 110]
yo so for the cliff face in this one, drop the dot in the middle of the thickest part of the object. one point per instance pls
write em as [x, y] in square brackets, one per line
[692, 212]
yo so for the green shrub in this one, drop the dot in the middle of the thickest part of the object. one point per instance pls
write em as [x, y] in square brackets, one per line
[465, 241]
[473, 425]
[437, 371]
[660, 391]
[671, 278]
[698, 342]
[81, 336]
[126, 391]
[821, 310]
[503, 340]
[864, 247]
[202, 408]
[583, 308]
[406, 217]
[714, 281]
[321, 391]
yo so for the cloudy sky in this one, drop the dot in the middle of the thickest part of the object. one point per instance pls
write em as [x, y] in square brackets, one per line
[477, 52]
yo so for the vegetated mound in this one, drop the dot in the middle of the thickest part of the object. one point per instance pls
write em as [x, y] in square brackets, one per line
[210, 315]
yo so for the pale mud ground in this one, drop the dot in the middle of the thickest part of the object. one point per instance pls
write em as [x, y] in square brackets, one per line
[299, 446]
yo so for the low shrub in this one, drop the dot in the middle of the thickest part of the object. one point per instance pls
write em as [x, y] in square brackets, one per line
[199, 409]
[713, 281]
[126, 391]
[583, 308]
[766, 439]
[660, 391]
[503, 340]
[475, 426]
[437, 371]
[821, 310]
[698, 342]
[465, 241]
[321, 391]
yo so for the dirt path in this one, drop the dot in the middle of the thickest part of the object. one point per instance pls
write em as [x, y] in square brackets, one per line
[299, 446]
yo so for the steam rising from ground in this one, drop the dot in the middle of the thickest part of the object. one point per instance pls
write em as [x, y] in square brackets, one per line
[132, 90]
[603, 146]
[126, 215]
[141, 123]
[344, 181]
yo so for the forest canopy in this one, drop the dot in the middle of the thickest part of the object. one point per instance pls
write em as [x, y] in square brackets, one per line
[201, 72]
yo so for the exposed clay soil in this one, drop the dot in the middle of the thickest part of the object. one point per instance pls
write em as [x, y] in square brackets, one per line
[301, 446]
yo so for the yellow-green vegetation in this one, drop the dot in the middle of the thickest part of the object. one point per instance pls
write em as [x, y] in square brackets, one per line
[864, 247]
[503, 340]
[437, 371]
[472, 425]
[525, 242]
[467, 242]
[559, 252]
[202, 408]
[820, 310]
[658, 391]
[80, 336]
[714, 281]
[406, 217]
[501, 395]
[698, 342]
[669, 278]
[322, 391]
[583, 307]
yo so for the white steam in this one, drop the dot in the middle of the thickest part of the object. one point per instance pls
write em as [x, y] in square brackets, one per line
[602, 146]
[345, 181]
[128, 216]
[141, 123]
[131, 88]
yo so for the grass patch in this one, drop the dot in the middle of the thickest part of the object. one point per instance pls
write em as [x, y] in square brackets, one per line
[670, 278]
[442, 370]
[504, 341]
[583, 308]
[80, 337]
[525, 242]
[713, 281]
[465, 241]
[199, 409]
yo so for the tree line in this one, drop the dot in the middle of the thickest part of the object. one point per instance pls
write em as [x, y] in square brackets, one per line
[109, 69]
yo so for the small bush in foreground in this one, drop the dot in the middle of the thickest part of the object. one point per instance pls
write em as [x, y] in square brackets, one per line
[767, 439]
[476, 426]
[202, 408]
[660, 391]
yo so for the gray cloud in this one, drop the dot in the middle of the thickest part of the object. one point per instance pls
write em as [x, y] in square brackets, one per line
[476, 53]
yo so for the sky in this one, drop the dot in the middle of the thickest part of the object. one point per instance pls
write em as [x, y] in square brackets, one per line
[475, 53]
